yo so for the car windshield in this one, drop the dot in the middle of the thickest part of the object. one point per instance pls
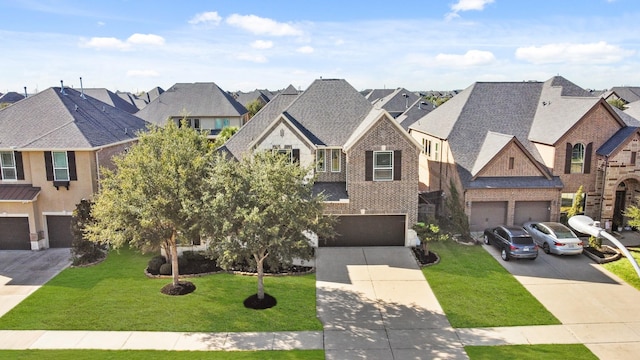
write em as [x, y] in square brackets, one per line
[562, 232]
[522, 240]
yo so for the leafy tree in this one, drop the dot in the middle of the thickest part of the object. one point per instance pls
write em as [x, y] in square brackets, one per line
[632, 212]
[224, 135]
[619, 103]
[83, 251]
[259, 209]
[429, 233]
[576, 207]
[152, 198]
[457, 216]
[4, 105]
[253, 107]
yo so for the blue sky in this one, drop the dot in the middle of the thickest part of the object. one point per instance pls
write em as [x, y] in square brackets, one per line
[134, 45]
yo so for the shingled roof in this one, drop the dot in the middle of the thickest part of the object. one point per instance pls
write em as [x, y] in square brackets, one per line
[191, 99]
[52, 119]
[111, 98]
[11, 97]
[328, 112]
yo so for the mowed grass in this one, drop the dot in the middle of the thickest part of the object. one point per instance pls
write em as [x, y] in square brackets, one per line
[116, 295]
[476, 291]
[624, 270]
[530, 352]
[159, 355]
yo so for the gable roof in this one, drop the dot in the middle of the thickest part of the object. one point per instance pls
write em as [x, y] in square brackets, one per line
[328, 112]
[52, 120]
[416, 111]
[196, 100]
[627, 93]
[397, 102]
[108, 97]
[617, 140]
[369, 121]
[245, 98]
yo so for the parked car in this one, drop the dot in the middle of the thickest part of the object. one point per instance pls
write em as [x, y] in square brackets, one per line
[554, 238]
[513, 242]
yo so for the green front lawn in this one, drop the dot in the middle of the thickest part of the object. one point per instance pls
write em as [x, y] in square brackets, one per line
[159, 355]
[116, 295]
[530, 352]
[624, 270]
[476, 291]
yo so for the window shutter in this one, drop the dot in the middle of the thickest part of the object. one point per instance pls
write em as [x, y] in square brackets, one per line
[567, 160]
[48, 165]
[71, 162]
[587, 158]
[296, 156]
[397, 165]
[368, 165]
[19, 166]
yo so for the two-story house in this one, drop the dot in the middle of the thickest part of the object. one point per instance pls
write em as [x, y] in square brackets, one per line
[204, 105]
[52, 145]
[519, 151]
[366, 164]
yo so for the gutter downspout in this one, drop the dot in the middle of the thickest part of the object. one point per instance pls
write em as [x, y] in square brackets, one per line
[604, 180]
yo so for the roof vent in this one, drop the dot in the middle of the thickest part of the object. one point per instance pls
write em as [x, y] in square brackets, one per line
[76, 108]
[62, 88]
[82, 89]
[25, 92]
[103, 109]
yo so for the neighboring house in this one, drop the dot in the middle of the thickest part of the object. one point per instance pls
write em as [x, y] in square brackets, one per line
[11, 97]
[262, 96]
[628, 94]
[519, 151]
[415, 112]
[377, 94]
[52, 145]
[111, 98]
[204, 105]
[397, 102]
[366, 164]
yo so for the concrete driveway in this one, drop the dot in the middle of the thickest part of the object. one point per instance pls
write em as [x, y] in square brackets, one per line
[601, 310]
[375, 303]
[23, 271]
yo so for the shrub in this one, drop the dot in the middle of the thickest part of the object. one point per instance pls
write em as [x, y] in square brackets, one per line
[193, 256]
[595, 242]
[165, 269]
[153, 267]
[84, 251]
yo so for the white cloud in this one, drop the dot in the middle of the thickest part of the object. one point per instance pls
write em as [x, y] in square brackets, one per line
[470, 58]
[262, 26]
[592, 53]
[252, 58]
[262, 44]
[466, 5]
[145, 39]
[111, 43]
[305, 49]
[210, 17]
[101, 23]
[142, 73]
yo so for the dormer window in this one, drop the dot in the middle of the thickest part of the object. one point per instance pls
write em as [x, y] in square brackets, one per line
[8, 166]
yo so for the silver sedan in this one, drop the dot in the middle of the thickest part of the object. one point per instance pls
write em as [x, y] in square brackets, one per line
[554, 238]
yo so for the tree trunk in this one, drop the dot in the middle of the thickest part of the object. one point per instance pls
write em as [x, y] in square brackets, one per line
[260, 268]
[175, 272]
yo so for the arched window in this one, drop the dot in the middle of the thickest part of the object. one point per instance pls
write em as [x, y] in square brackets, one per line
[577, 159]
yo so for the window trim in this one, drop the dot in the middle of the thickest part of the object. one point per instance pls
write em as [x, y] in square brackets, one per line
[321, 164]
[54, 167]
[575, 161]
[14, 167]
[377, 167]
[336, 151]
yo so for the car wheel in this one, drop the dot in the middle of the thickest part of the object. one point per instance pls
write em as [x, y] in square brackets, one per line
[545, 248]
[486, 240]
[504, 254]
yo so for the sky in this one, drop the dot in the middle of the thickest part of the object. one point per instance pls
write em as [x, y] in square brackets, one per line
[135, 45]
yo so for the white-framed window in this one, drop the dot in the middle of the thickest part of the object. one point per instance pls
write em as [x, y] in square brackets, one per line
[577, 159]
[287, 151]
[335, 160]
[60, 166]
[436, 151]
[382, 165]
[426, 147]
[321, 160]
[8, 165]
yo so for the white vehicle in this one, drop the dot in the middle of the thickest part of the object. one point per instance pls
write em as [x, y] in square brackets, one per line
[554, 238]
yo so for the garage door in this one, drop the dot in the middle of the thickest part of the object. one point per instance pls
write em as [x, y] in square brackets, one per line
[486, 214]
[531, 211]
[14, 233]
[368, 230]
[59, 228]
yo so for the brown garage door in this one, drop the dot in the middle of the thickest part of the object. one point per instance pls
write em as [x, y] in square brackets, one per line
[14, 233]
[531, 211]
[368, 230]
[486, 214]
[59, 231]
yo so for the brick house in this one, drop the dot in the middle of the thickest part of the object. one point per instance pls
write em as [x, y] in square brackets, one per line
[52, 145]
[519, 151]
[366, 164]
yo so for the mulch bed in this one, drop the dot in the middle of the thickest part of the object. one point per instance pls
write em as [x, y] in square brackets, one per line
[425, 259]
[183, 288]
[252, 302]
[603, 255]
